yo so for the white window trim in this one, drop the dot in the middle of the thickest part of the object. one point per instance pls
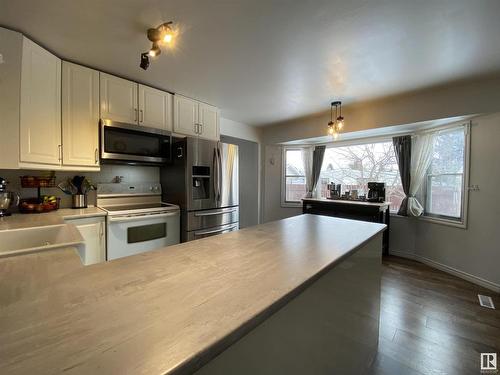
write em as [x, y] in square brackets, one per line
[462, 222]
[284, 202]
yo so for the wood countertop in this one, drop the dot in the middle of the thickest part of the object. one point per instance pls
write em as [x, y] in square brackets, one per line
[165, 311]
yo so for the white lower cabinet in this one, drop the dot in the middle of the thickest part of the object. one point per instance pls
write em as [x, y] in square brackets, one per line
[93, 231]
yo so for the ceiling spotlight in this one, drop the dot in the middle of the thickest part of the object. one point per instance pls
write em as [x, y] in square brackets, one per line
[144, 60]
[155, 50]
[166, 32]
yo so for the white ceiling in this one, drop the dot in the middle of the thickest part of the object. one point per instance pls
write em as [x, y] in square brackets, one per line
[264, 61]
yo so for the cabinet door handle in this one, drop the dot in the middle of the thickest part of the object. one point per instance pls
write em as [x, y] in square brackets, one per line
[195, 126]
[141, 119]
[200, 127]
[135, 115]
[59, 150]
[96, 155]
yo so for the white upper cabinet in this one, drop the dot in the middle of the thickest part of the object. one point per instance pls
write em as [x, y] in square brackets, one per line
[40, 106]
[118, 99]
[155, 108]
[195, 118]
[80, 115]
[185, 115]
[208, 119]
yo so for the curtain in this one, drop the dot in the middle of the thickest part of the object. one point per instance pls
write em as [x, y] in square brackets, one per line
[313, 160]
[318, 155]
[307, 157]
[402, 149]
[421, 157]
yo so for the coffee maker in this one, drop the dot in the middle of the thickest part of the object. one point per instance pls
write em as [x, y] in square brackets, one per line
[6, 198]
[376, 192]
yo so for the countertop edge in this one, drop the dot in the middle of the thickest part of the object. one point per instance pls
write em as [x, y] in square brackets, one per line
[200, 359]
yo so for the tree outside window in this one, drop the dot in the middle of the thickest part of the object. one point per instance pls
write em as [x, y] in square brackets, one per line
[354, 166]
[444, 185]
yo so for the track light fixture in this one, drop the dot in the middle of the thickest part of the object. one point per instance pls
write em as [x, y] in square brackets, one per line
[144, 60]
[163, 34]
[335, 126]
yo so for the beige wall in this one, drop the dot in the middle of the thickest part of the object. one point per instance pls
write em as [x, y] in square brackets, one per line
[465, 98]
[472, 253]
[239, 130]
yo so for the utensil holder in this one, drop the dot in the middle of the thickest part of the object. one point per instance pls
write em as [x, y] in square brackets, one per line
[79, 201]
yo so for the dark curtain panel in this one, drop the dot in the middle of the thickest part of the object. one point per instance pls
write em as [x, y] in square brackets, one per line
[402, 149]
[318, 154]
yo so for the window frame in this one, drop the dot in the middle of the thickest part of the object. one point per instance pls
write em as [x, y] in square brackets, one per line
[284, 202]
[460, 222]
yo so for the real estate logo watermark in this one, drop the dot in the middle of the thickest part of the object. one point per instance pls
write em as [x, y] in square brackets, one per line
[489, 363]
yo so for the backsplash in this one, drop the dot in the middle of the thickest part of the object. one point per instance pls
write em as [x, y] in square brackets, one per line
[107, 174]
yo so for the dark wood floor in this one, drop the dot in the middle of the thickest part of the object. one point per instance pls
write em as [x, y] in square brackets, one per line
[431, 322]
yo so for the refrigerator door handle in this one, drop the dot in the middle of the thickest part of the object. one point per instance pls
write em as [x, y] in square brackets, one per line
[218, 212]
[213, 231]
[219, 182]
[215, 174]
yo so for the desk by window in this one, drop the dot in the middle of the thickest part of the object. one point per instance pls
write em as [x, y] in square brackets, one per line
[356, 210]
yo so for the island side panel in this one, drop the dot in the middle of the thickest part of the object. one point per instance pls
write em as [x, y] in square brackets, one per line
[331, 327]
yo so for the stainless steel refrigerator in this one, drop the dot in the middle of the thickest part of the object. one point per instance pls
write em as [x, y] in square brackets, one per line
[203, 180]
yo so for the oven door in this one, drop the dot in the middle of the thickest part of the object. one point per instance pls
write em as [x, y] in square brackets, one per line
[130, 235]
[134, 144]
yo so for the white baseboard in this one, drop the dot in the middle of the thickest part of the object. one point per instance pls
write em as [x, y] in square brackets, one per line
[452, 271]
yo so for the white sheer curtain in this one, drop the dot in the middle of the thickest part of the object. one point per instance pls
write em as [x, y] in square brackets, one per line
[421, 156]
[307, 157]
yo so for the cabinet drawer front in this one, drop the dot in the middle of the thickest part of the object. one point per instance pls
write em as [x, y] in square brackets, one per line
[212, 218]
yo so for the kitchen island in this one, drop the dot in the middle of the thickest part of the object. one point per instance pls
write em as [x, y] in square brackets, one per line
[295, 294]
[375, 212]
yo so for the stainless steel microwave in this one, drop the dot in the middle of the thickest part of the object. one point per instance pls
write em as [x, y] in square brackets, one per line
[134, 144]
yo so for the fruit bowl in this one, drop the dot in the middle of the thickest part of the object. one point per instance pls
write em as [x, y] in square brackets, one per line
[37, 206]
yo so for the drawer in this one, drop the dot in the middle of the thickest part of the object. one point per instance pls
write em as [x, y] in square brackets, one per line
[197, 234]
[211, 218]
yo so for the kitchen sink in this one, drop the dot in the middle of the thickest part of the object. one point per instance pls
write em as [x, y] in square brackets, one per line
[27, 240]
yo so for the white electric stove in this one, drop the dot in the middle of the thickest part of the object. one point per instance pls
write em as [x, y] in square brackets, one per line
[137, 221]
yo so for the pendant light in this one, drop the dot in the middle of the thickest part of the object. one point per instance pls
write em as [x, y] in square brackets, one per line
[335, 126]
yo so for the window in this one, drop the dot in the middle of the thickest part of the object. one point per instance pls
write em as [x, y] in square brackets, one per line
[354, 166]
[294, 177]
[444, 190]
